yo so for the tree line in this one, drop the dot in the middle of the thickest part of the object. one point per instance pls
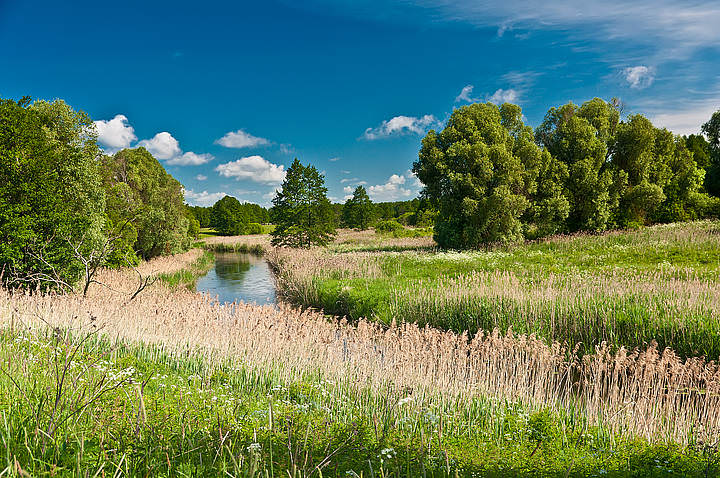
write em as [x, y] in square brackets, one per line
[66, 208]
[230, 217]
[495, 179]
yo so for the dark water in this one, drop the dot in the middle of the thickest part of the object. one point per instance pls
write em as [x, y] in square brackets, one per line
[239, 277]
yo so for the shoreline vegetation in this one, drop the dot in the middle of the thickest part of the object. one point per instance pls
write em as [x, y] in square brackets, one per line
[171, 382]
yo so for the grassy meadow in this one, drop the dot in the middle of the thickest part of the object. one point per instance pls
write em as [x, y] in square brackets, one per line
[558, 375]
[625, 288]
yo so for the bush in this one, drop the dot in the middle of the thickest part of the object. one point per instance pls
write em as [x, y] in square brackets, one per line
[253, 228]
[388, 226]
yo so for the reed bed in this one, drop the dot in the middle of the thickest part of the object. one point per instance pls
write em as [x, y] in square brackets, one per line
[652, 394]
[627, 289]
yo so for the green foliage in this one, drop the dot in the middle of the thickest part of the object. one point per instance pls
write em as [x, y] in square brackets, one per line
[358, 211]
[254, 228]
[301, 210]
[492, 184]
[711, 129]
[51, 199]
[227, 217]
[141, 192]
[388, 226]
[483, 170]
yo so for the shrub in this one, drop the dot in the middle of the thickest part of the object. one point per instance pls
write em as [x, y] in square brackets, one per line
[388, 226]
[253, 228]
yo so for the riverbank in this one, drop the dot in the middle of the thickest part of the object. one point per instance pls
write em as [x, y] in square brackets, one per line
[171, 382]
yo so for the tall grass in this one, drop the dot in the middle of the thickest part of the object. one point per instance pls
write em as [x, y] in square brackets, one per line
[174, 383]
[658, 284]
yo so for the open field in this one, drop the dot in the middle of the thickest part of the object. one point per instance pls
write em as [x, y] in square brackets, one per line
[624, 288]
[170, 384]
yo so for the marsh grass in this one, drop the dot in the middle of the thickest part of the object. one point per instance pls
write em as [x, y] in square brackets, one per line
[625, 288]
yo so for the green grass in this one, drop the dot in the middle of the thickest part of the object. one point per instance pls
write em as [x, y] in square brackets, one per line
[413, 286]
[188, 276]
[210, 232]
[257, 249]
[98, 408]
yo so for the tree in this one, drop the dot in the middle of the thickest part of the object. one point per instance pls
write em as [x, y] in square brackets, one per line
[301, 210]
[358, 210]
[227, 216]
[140, 190]
[482, 172]
[711, 129]
[51, 199]
[579, 138]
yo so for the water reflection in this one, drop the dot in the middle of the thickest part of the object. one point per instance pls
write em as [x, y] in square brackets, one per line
[239, 277]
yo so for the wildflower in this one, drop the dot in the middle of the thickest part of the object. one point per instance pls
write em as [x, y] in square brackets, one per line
[254, 448]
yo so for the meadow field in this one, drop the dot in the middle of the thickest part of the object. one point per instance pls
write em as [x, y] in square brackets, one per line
[542, 359]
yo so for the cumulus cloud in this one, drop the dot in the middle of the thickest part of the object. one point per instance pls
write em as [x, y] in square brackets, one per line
[162, 146]
[640, 76]
[201, 177]
[240, 139]
[116, 133]
[190, 159]
[254, 168]
[401, 125]
[504, 96]
[465, 95]
[415, 180]
[203, 198]
[392, 190]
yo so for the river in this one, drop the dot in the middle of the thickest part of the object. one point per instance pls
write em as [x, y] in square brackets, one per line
[239, 277]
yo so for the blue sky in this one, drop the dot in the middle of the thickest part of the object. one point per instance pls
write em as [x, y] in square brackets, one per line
[226, 94]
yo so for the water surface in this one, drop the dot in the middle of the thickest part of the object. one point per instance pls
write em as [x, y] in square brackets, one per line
[239, 277]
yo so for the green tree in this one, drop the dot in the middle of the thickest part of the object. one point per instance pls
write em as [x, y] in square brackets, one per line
[700, 148]
[482, 171]
[227, 216]
[301, 210]
[140, 191]
[358, 210]
[579, 138]
[711, 129]
[51, 199]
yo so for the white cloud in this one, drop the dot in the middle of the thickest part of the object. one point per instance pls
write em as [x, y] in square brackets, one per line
[116, 133]
[348, 189]
[348, 180]
[241, 139]
[504, 96]
[688, 118]
[201, 177]
[392, 190]
[202, 198]
[254, 168]
[640, 76]
[415, 180]
[162, 146]
[332, 160]
[191, 159]
[673, 27]
[401, 125]
[465, 95]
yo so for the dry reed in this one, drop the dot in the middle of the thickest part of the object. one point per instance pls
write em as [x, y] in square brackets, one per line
[652, 394]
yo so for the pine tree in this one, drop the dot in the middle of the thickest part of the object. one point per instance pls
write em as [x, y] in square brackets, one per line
[301, 210]
[358, 210]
